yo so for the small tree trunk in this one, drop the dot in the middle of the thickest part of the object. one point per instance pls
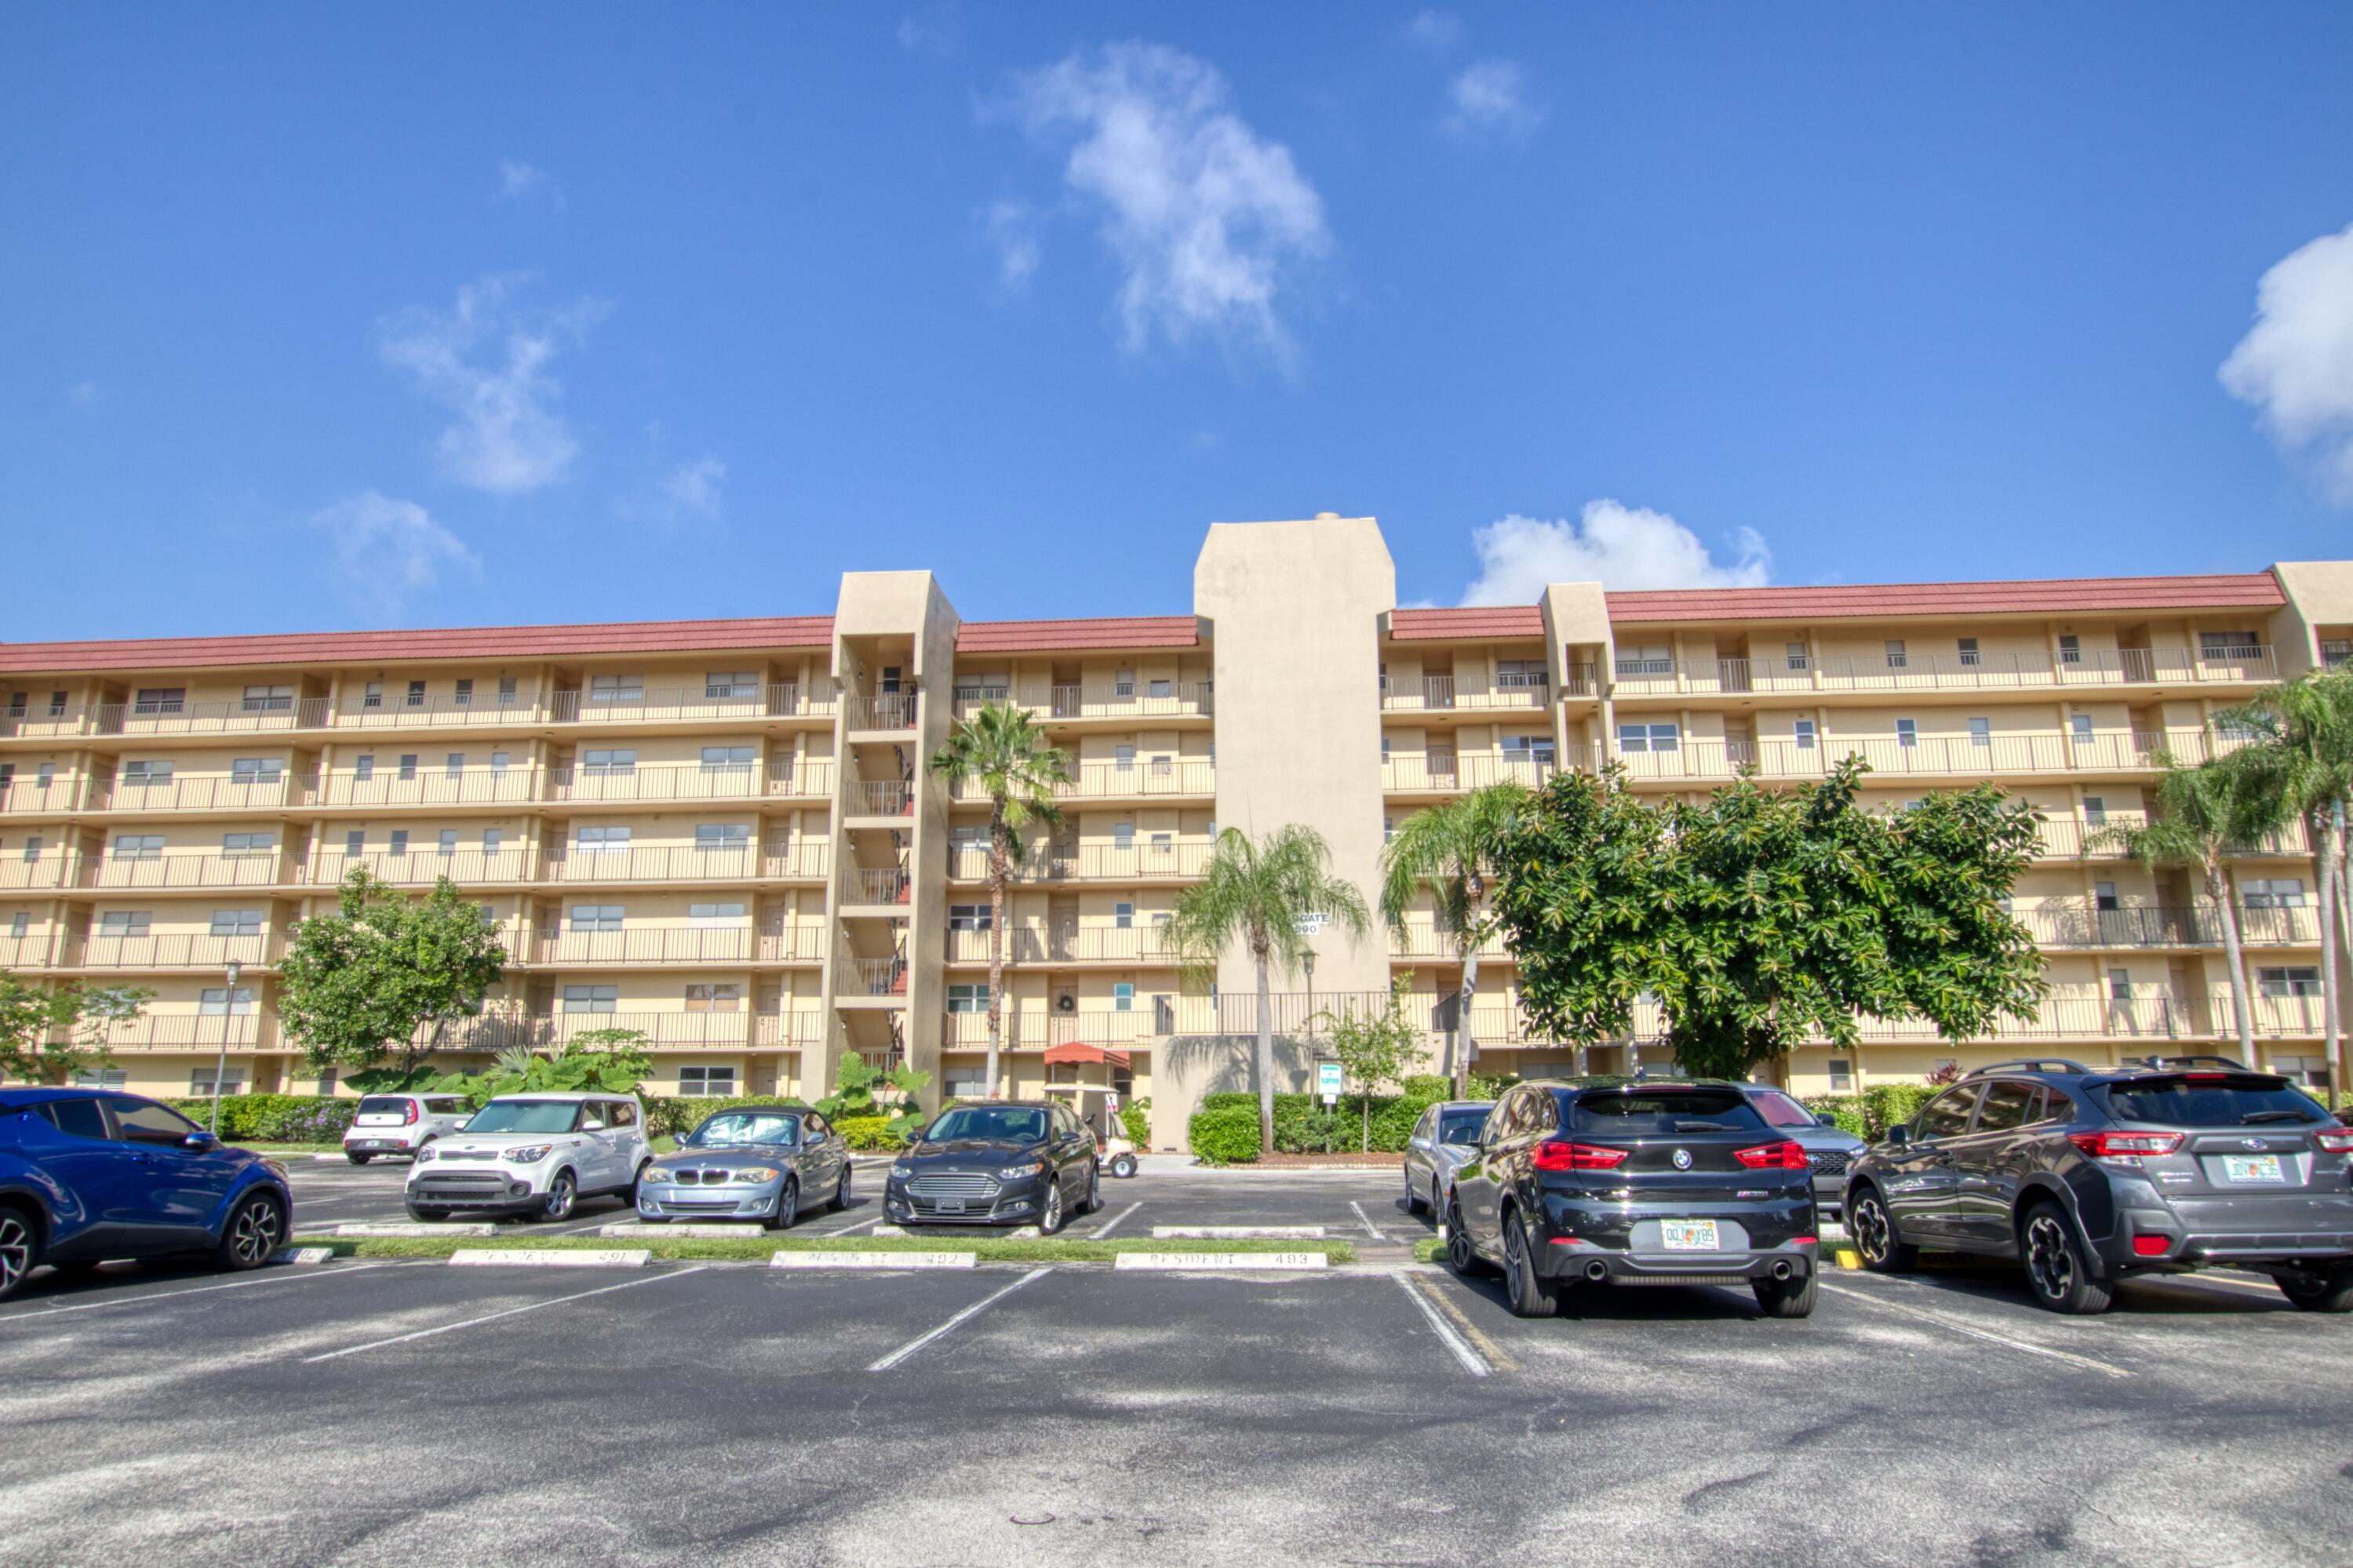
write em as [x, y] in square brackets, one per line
[996, 875]
[1265, 1052]
[2318, 824]
[2240, 1009]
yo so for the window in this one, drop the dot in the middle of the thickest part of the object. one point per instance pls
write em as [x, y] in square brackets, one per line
[216, 1003]
[416, 694]
[1122, 683]
[968, 838]
[965, 1083]
[200, 1086]
[1388, 829]
[57, 704]
[968, 999]
[327, 1082]
[607, 761]
[16, 705]
[1896, 658]
[1123, 757]
[1648, 737]
[464, 694]
[722, 684]
[601, 840]
[889, 685]
[1654, 659]
[498, 765]
[2007, 1104]
[2274, 892]
[1841, 1075]
[717, 758]
[1907, 734]
[592, 998]
[20, 925]
[1162, 688]
[448, 842]
[713, 914]
[1948, 1115]
[616, 688]
[237, 922]
[2104, 896]
[1122, 996]
[706, 1083]
[355, 841]
[399, 841]
[247, 843]
[256, 771]
[2079, 726]
[2335, 651]
[1123, 836]
[127, 847]
[372, 695]
[362, 769]
[1805, 729]
[597, 917]
[159, 699]
[2071, 648]
[124, 922]
[408, 766]
[454, 765]
[2228, 645]
[723, 835]
[1980, 731]
[1385, 748]
[268, 698]
[714, 998]
[80, 1116]
[2119, 985]
[2294, 982]
[145, 775]
[493, 839]
[1970, 657]
[2095, 810]
[1793, 654]
[1123, 916]
[1521, 675]
[1528, 750]
[982, 688]
[506, 689]
[970, 917]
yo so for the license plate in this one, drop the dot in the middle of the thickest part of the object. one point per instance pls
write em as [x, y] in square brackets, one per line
[952, 1206]
[2252, 1168]
[1687, 1235]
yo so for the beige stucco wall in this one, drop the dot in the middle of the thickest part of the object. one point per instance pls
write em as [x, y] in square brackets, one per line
[2319, 593]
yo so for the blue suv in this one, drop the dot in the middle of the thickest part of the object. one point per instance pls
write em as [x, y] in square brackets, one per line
[87, 1175]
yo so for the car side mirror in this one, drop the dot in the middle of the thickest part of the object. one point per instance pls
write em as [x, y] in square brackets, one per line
[199, 1143]
[1899, 1135]
[592, 1125]
[1827, 1119]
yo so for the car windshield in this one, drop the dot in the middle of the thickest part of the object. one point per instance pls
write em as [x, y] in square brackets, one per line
[1779, 1111]
[383, 1105]
[1002, 1124]
[1641, 1113]
[524, 1116]
[1462, 1126]
[733, 1129]
[2211, 1099]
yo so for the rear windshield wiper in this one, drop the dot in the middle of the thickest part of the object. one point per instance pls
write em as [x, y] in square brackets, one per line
[2272, 1116]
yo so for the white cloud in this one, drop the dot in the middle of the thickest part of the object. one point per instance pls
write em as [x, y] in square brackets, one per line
[692, 490]
[1208, 219]
[1434, 29]
[933, 34]
[1490, 97]
[1616, 545]
[387, 549]
[1013, 230]
[487, 362]
[519, 180]
[2296, 364]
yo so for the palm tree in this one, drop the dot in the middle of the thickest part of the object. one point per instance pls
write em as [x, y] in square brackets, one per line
[2202, 813]
[1260, 893]
[1453, 848]
[1002, 749]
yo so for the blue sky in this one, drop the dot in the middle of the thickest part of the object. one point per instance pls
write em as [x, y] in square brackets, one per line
[428, 315]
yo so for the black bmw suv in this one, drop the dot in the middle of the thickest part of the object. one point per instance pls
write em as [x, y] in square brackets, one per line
[2089, 1176]
[1634, 1183]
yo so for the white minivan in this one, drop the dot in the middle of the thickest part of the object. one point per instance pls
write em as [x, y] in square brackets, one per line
[535, 1154]
[402, 1123]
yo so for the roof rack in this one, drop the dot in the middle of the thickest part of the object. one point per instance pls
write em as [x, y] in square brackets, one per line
[2029, 1064]
[2162, 1063]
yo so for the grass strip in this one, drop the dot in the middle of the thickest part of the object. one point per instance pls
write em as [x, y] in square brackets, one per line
[1430, 1250]
[758, 1249]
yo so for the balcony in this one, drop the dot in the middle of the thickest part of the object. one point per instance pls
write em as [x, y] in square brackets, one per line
[1422, 940]
[870, 978]
[811, 779]
[889, 885]
[195, 1031]
[183, 950]
[486, 785]
[1121, 699]
[800, 1030]
[1445, 693]
[2076, 925]
[54, 795]
[654, 944]
[1143, 778]
[1909, 672]
[1930, 756]
[2071, 838]
[1179, 859]
[193, 872]
[656, 863]
[1082, 945]
[1449, 772]
[860, 798]
[891, 710]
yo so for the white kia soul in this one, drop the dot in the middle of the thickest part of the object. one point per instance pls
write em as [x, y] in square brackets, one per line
[402, 1123]
[535, 1154]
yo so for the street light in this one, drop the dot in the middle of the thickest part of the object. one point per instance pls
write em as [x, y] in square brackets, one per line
[1307, 962]
[229, 1022]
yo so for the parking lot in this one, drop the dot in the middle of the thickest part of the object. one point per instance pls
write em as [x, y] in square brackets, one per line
[408, 1410]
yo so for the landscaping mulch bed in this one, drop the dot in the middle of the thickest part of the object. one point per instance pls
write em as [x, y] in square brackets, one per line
[1349, 1161]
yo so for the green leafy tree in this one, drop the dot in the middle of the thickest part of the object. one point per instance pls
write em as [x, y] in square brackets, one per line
[1766, 917]
[2201, 814]
[48, 1032]
[1258, 893]
[1452, 850]
[1375, 1048]
[358, 986]
[595, 1061]
[1001, 749]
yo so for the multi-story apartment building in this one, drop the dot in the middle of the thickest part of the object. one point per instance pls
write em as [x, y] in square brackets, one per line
[722, 834]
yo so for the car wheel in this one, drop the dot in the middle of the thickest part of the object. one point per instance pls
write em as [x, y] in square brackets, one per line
[789, 1206]
[2056, 1268]
[1049, 1219]
[562, 1192]
[1787, 1297]
[2330, 1292]
[1460, 1256]
[1528, 1294]
[1413, 1204]
[1122, 1166]
[1874, 1237]
[255, 1231]
[1094, 1192]
[424, 1215]
[357, 1159]
[19, 1243]
[635, 1181]
[841, 1199]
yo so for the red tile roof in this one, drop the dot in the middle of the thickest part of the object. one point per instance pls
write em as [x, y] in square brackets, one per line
[454, 642]
[1469, 621]
[2063, 595]
[1114, 631]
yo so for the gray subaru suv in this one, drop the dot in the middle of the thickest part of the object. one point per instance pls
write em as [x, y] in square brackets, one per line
[2088, 1176]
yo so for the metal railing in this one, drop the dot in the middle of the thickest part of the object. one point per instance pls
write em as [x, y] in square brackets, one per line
[799, 1029]
[1138, 698]
[870, 976]
[1941, 756]
[891, 710]
[688, 704]
[1449, 693]
[1110, 779]
[860, 798]
[1090, 862]
[162, 871]
[1421, 939]
[654, 863]
[687, 782]
[202, 791]
[2076, 925]
[256, 1031]
[430, 783]
[1945, 672]
[37, 795]
[868, 885]
[644, 945]
[1439, 772]
[1080, 944]
[797, 941]
[172, 950]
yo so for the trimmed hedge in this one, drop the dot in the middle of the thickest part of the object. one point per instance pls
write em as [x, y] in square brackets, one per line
[274, 1118]
[1870, 1114]
[871, 1134]
[677, 1115]
[1301, 1125]
[1226, 1135]
[1135, 1120]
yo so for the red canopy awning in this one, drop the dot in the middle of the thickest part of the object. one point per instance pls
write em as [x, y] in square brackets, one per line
[1074, 1051]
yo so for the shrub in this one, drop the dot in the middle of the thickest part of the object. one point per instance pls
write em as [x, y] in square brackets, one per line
[871, 1133]
[677, 1115]
[1226, 1135]
[321, 1120]
[1886, 1104]
[1846, 1109]
[258, 1117]
[1301, 1125]
[1135, 1120]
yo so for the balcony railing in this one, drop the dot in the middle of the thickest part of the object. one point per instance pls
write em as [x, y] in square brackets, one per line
[868, 885]
[812, 778]
[798, 1030]
[654, 944]
[1422, 940]
[1082, 945]
[655, 863]
[172, 950]
[688, 704]
[1929, 756]
[891, 710]
[1112, 780]
[1446, 693]
[151, 1031]
[260, 870]
[860, 798]
[2076, 925]
[1440, 772]
[53, 795]
[202, 791]
[427, 785]
[1638, 677]
[1091, 862]
[871, 976]
[799, 942]
[1120, 699]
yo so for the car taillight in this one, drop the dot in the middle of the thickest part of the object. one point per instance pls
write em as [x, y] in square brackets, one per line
[2125, 1145]
[1785, 1155]
[1552, 1155]
[2334, 1142]
[410, 1114]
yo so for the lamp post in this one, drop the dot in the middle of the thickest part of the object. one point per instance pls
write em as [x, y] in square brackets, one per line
[1307, 962]
[229, 1022]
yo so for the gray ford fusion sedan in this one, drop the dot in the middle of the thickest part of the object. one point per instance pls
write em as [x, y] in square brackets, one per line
[766, 1162]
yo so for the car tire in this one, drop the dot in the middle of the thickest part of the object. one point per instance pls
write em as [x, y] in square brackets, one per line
[841, 1199]
[1094, 1193]
[1049, 1217]
[2058, 1272]
[254, 1230]
[789, 1206]
[1122, 1166]
[2330, 1292]
[357, 1159]
[562, 1193]
[1787, 1297]
[20, 1249]
[1460, 1256]
[1528, 1294]
[424, 1215]
[1413, 1200]
[1875, 1238]
[629, 1194]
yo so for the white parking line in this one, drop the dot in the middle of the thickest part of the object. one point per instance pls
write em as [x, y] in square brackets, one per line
[1960, 1327]
[852, 1228]
[494, 1317]
[1473, 1361]
[1112, 1223]
[306, 1276]
[912, 1346]
[1368, 1219]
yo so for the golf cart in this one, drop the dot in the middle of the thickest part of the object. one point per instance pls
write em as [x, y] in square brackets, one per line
[1098, 1107]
